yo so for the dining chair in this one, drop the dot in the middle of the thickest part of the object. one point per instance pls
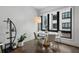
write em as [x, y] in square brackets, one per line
[35, 35]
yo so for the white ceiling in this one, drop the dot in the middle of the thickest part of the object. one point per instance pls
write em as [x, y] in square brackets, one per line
[45, 7]
[39, 7]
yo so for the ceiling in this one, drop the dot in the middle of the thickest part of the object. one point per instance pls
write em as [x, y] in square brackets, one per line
[39, 7]
[45, 7]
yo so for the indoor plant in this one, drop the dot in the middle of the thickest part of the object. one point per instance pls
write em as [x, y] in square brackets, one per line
[14, 45]
[21, 40]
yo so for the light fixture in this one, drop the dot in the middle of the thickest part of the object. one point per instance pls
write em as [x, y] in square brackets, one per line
[37, 20]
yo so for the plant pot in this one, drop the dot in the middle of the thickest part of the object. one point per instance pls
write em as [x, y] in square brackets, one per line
[14, 47]
[20, 44]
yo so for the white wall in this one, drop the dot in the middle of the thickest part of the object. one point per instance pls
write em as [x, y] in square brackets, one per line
[22, 16]
[76, 23]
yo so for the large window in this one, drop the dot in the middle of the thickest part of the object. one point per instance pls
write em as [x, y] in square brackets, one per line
[44, 24]
[54, 22]
[66, 22]
[54, 17]
[58, 21]
[66, 25]
[66, 15]
[55, 25]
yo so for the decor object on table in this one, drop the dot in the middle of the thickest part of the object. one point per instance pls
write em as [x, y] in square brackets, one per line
[46, 41]
[21, 40]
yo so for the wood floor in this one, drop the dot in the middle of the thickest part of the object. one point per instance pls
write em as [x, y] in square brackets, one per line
[32, 47]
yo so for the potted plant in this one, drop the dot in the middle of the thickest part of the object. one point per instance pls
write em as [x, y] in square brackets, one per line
[21, 40]
[14, 45]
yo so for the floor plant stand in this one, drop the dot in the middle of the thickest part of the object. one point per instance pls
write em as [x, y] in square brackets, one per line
[12, 35]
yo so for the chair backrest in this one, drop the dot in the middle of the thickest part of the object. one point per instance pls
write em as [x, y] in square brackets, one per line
[35, 35]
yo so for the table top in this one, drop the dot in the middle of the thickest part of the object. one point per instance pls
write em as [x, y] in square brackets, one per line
[50, 33]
